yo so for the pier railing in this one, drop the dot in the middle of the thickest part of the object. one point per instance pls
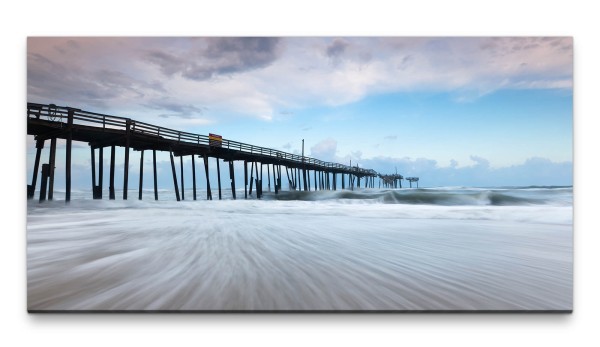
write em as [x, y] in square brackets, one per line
[60, 116]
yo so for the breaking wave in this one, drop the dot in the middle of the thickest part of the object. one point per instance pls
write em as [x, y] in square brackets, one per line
[442, 197]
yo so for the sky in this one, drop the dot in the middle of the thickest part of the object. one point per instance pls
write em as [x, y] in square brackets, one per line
[465, 111]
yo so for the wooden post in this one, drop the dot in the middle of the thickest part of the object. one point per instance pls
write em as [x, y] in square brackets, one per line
[100, 171]
[275, 179]
[174, 176]
[315, 177]
[208, 192]
[141, 174]
[182, 180]
[279, 176]
[232, 178]
[155, 178]
[39, 144]
[269, 177]
[93, 160]
[245, 179]
[304, 179]
[68, 155]
[258, 181]
[251, 177]
[334, 181]
[126, 169]
[52, 162]
[194, 176]
[111, 183]
[219, 177]
[45, 173]
[261, 180]
[308, 178]
[289, 180]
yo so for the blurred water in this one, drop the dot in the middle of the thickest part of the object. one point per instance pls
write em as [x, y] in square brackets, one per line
[363, 250]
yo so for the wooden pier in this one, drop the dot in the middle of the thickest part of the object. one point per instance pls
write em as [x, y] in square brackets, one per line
[393, 181]
[100, 131]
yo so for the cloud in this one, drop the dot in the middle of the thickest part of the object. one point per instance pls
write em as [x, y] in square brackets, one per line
[391, 137]
[257, 76]
[59, 82]
[325, 150]
[534, 171]
[336, 49]
[217, 56]
[482, 162]
[175, 109]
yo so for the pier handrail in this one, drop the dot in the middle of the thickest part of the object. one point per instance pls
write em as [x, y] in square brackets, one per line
[60, 116]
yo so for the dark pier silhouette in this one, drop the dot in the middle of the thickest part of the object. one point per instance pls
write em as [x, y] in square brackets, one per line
[100, 131]
[413, 179]
[390, 181]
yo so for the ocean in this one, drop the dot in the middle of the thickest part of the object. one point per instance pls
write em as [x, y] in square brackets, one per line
[442, 249]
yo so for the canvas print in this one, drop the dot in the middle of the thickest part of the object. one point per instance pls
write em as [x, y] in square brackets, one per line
[299, 174]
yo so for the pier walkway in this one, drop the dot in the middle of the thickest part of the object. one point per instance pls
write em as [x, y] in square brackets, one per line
[51, 122]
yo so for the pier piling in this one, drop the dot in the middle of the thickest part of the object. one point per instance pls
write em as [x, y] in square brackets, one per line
[68, 155]
[44, 183]
[126, 167]
[208, 192]
[39, 145]
[52, 162]
[174, 177]
[219, 177]
[232, 178]
[182, 181]
[245, 179]
[193, 177]
[141, 174]
[155, 177]
[111, 182]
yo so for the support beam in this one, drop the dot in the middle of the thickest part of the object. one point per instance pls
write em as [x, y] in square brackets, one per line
[269, 177]
[174, 177]
[155, 177]
[44, 183]
[93, 162]
[304, 179]
[100, 171]
[315, 177]
[182, 180]
[259, 185]
[251, 176]
[288, 177]
[68, 156]
[334, 181]
[308, 178]
[39, 145]
[208, 192]
[194, 177]
[275, 184]
[279, 176]
[111, 183]
[219, 177]
[232, 178]
[52, 163]
[245, 179]
[126, 169]
[141, 174]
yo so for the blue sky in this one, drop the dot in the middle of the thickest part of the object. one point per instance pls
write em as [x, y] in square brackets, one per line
[453, 111]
